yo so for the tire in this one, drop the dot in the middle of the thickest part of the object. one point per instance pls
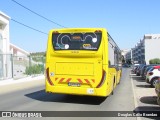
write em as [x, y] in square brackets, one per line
[137, 74]
[153, 82]
[112, 90]
[113, 86]
[112, 93]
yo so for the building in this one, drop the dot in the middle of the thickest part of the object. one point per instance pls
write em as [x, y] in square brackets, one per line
[138, 52]
[8, 66]
[125, 55]
[4, 33]
[20, 60]
[146, 49]
[128, 57]
[18, 52]
[5, 62]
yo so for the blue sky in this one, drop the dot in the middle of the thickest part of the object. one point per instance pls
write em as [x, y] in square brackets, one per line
[126, 20]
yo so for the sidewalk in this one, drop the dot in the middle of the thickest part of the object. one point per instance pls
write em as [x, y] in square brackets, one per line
[145, 98]
[11, 85]
[27, 79]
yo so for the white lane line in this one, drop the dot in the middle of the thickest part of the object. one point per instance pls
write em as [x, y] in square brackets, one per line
[134, 95]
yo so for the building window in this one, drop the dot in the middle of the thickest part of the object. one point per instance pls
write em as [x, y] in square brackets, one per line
[155, 37]
[147, 37]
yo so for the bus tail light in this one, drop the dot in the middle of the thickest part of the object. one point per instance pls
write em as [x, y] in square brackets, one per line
[48, 77]
[102, 80]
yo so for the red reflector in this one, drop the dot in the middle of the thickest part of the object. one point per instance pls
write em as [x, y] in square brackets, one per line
[93, 80]
[80, 81]
[61, 80]
[87, 81]
[69, 79]
[102, 79]
[48, 77]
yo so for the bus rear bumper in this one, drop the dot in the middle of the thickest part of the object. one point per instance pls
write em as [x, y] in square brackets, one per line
[77, 90]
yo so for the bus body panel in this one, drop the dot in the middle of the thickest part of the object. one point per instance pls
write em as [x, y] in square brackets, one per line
[80, 72]
[85, 72]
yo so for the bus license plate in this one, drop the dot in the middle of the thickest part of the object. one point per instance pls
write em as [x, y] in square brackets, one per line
[74, 84]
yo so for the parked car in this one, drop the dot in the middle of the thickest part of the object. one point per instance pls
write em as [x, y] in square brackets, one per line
[134, 68]
[157, 90]
[125, 65]
[139, 69]
[152, 75]
[145, 69]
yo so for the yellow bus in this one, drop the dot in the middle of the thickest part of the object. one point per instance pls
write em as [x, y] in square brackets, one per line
[82, 61]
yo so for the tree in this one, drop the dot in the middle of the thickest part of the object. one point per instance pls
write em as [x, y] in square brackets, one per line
[154, 61]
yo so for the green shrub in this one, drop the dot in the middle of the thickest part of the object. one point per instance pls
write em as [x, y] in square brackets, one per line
[154, 61]
[35, 69]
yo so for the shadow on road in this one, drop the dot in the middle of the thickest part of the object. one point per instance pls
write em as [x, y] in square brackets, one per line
[149, 100]
[148, 111]
[137, 78]
[144, 86]
[49, 97]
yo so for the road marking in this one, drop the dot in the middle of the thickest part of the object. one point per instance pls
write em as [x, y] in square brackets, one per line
[134, 95]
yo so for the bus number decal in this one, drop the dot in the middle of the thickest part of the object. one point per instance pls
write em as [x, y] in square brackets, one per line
[86, 46]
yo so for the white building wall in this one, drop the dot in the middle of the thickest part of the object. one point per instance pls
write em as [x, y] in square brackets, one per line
[4, 31]
[124, 52]
[5, 61]
[152, 48]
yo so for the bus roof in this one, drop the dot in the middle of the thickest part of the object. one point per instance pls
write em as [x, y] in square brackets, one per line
[77, 29]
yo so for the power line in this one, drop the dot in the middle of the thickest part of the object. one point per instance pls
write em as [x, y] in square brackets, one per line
[29, 27]
[38, 14]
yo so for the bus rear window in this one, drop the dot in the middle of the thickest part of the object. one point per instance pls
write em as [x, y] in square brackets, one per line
[76, 41]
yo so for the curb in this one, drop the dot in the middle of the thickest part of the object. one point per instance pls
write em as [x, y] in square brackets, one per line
[27, 79]
[135, 97]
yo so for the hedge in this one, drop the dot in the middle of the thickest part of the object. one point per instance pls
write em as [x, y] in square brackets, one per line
[35, 69]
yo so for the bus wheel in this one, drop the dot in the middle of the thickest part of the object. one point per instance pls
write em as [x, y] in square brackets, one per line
[119, 82]
[112, 92]
[113, 89]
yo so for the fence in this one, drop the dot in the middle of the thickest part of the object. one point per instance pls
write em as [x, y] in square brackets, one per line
[20, 66]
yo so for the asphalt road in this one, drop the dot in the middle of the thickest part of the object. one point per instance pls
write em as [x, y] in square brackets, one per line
[31, 96]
